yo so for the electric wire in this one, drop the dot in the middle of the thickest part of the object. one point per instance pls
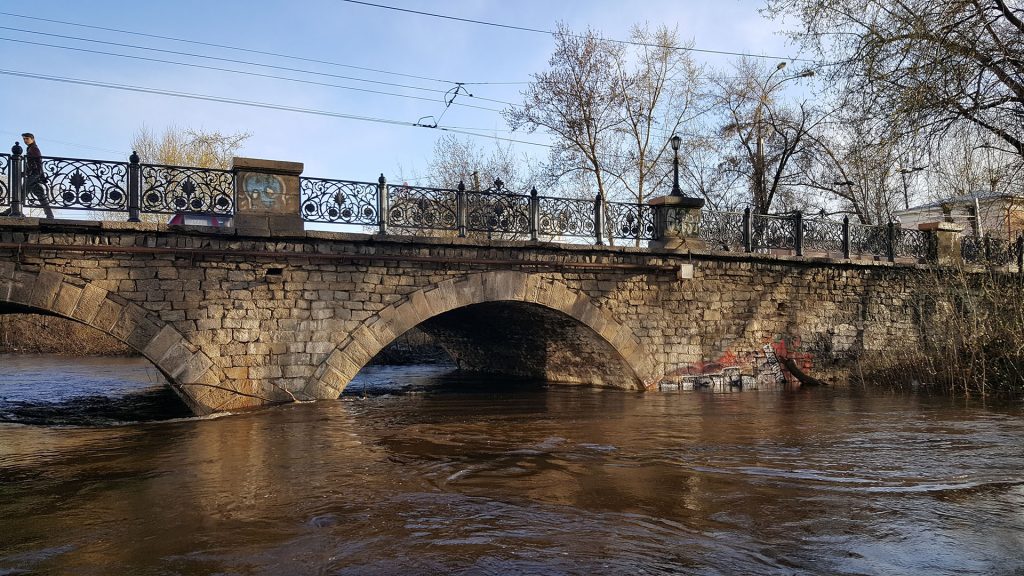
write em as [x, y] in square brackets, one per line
[71, 144]
[552, 33]
[475, 132]
[255, 104]
[236, 61]
[227, 47]
[246, 73]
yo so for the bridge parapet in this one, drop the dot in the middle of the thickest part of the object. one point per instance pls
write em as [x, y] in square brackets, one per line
[271, 197]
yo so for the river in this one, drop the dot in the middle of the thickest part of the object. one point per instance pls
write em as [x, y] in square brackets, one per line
[415, 471]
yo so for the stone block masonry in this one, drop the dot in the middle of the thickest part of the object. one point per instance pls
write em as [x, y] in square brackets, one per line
[236, 321]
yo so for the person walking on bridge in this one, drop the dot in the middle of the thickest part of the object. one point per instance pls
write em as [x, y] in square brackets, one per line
[35, 179]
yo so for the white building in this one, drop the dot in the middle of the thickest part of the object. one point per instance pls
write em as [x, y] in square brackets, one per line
[1000, 216]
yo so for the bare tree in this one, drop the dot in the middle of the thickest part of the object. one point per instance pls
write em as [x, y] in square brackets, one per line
[577, 100]
[461, 160]
[659, 94]
[764, 138]
[612, 110]
[927, 67]
[859, 166]
[187, 147]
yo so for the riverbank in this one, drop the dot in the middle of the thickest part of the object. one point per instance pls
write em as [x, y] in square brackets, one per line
[37, 334]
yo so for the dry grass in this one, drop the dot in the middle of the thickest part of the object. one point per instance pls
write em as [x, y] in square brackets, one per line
[971, 331]
[35, 334]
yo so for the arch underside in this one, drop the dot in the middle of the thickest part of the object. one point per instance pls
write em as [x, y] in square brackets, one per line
[189, 371]
[509, 323]
[523, 340]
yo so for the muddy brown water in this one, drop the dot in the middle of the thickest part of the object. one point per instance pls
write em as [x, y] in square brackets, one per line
[415, 471]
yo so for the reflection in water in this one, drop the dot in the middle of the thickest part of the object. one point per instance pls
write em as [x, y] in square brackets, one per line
[415, 473]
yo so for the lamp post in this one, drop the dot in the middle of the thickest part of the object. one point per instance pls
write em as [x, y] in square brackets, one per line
[903, 172]
[676, 142]
[760, 168]
[676, 216]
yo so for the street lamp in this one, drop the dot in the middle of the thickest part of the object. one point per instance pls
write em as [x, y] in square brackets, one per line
[903, 172]
[676, 142]
[760, 181]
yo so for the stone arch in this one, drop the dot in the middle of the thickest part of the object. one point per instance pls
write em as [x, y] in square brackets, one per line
[189, 371]
[376, 332]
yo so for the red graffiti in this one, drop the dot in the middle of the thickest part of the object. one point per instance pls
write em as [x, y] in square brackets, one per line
[782, 348]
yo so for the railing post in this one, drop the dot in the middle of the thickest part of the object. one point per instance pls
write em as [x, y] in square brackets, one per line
[382, 204]
[748, 243]
[461, 209]
[798, 232]
[134, 198]
[598, 220]
[846, 237]
[890, 245]
[534, 213]
[987, 243]
[17, 189]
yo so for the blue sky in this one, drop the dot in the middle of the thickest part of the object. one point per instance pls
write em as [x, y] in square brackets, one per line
[93, 122]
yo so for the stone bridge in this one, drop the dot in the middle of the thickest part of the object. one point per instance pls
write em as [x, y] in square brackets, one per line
[237, 320]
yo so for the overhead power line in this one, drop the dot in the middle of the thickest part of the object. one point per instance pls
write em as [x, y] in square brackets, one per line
[255, 104]
[227, 47]
[551, 33]
[475, 132]
[235, 61]
[246, 73]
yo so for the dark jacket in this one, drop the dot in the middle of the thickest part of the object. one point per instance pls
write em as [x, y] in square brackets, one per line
[34, 161]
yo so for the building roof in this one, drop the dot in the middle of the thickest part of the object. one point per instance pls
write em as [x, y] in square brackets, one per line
[964, 199]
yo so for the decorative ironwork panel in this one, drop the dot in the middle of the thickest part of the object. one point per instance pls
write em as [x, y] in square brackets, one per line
[1001, 252]
[772, 232]
[566, 217]
[866, 240]
[916, 244]
[823, 235]
[172, 189]
[75, 184]
[630, 221]
[422, 208]
[497, 212]
[722, 230]
[987, 250]
[971, 249]
[5, 171]
[339, 201]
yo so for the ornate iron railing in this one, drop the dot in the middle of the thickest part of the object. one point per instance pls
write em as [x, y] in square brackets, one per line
[917, 244]
[987, 250]
[77, 184]
[172, 189]
[421, 208]
[5, 190]
[494, 211]
[723, 230]
[868, 240]
[630, 221]
[772, 232]
[972, 249]
[339, 201]
[566, 217]
[824, 235]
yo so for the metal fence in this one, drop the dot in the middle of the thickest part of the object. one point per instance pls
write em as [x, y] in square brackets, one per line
[794, 234]
[992, 251]
[130, 187]
[135, 189]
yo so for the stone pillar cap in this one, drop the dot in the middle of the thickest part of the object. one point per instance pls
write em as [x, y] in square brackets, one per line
[260, 165]
[680, 201]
